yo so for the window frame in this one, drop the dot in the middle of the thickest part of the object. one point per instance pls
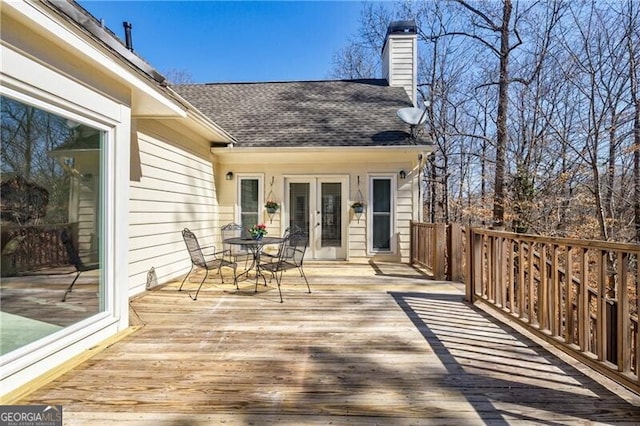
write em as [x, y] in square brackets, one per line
[110, 313]
[238, 205]
[391, 177]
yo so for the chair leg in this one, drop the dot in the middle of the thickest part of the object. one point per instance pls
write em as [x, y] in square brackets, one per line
[235, 276]
[64, 298]
[302, 274]
[185, 278]
[278, 281]
[200, 286]
[220, 273]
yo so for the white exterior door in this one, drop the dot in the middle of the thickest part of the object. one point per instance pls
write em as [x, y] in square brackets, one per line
[317, 205]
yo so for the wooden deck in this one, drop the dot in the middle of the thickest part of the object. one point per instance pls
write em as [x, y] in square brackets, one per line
[373, 344]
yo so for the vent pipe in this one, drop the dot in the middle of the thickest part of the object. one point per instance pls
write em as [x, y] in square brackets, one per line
[127, 35]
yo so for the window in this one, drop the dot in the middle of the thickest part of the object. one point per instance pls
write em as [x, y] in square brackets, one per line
[52, 193]
[249, 199]
[381, 230]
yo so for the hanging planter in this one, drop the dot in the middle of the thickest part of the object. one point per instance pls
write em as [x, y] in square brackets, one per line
[358, 204]
[272, 207]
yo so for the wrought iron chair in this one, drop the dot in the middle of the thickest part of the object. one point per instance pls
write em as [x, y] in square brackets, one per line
[233, 230]
[291, 256]
[75, 260]
[270, 257]
[210, 262]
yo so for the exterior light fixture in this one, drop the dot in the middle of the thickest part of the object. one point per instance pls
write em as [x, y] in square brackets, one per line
[229, 176]
[402, 174]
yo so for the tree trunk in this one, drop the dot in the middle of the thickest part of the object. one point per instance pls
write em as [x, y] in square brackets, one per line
[501, 142]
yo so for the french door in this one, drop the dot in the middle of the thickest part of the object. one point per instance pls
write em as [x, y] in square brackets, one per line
[316, 205]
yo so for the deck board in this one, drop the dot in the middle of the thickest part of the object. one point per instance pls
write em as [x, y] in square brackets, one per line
[370, 345]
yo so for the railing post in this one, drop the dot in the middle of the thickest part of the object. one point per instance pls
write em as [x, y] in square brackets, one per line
[439, 248]
[412, 241]
[469, 282]
[454, 252]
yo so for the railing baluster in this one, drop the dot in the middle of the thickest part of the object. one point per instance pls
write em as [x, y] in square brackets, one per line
[543, 290]
[623, 321]
[601, 306]
[584, 318]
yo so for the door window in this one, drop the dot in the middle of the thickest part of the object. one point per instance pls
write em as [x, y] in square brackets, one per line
[299, 195]
[331, 217]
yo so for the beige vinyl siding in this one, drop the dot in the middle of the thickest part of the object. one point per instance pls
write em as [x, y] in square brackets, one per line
[399, 65]
[351, 165]
[88, 210]
[176, 189]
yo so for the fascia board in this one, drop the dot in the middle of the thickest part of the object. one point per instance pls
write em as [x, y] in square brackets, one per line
[59, 30]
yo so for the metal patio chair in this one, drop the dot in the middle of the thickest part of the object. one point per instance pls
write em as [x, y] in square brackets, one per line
[209, 262]
[291, 256]
[237, 253]
[75, 260]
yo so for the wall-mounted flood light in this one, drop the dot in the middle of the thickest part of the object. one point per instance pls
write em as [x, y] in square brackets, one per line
[229, 176]
[402, 174]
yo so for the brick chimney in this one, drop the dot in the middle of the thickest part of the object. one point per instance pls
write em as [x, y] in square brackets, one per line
[400, 57]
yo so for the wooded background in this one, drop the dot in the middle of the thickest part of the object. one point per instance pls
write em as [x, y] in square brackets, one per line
[533, 106]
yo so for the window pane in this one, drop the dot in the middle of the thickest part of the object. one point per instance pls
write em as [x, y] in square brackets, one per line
[299, 206]
[249, 212]
[249, 195]
[381, 195]
[52, 192]
[381, 232]
[331, 215]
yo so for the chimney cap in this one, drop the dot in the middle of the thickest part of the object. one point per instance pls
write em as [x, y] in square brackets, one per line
[402, 27]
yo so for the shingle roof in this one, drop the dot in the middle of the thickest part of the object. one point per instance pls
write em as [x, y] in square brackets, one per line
[305, 113]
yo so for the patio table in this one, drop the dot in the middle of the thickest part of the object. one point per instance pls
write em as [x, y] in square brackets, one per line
[255, 246]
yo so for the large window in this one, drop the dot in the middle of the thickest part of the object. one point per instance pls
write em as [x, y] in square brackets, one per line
[52, 223]
[381, 214]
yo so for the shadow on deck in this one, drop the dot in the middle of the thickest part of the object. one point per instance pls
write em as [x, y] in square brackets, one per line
[373, 344]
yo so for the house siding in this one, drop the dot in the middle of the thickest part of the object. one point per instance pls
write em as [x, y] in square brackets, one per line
[399, 63]
[352, 166]
[176, 190]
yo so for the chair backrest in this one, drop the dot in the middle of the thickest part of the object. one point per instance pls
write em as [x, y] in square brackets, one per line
[72, 253]
[193, 247]
[232, 230]
[294, 247]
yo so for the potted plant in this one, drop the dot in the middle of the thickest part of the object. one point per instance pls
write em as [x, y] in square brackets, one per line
[271, 206]
[258, 231]
[357, 207]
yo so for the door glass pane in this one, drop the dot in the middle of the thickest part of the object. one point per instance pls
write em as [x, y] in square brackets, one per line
[299, 206]
[381, 214]
[249, 212]
[52, 194]
[331, 214]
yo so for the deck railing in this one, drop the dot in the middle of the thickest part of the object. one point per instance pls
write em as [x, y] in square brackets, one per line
[39, 247]
[440, 248]
[580, 295]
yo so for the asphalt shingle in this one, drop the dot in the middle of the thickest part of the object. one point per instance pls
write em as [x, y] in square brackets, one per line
[305, 113]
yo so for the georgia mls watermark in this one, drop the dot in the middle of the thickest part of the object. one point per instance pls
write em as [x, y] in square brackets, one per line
[30, 415]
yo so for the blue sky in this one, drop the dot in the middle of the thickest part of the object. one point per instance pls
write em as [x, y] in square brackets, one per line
[222, 41]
